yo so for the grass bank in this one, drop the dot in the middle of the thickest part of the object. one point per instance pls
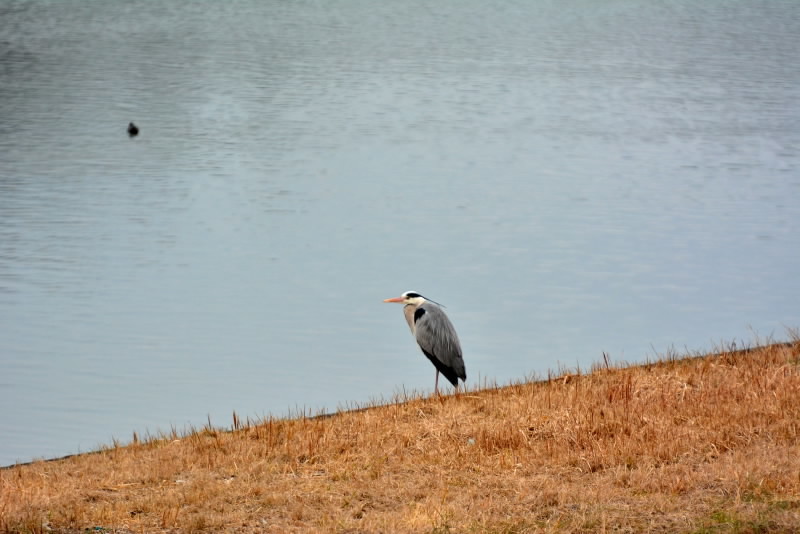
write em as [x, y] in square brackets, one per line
[696, 444]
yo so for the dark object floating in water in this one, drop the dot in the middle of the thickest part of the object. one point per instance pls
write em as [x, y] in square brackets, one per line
[133, 130]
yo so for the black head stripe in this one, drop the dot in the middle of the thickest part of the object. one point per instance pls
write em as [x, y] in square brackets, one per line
[419, 312]
[412, 295]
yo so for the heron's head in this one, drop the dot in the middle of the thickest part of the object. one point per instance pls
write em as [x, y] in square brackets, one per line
[409, 297]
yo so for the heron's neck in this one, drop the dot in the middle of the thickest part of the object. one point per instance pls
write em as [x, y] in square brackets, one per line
[408, 311]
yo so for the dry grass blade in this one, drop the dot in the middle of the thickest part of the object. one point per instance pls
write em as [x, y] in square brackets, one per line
[693, 444]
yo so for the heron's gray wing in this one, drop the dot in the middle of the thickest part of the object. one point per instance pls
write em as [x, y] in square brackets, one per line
[437, 338]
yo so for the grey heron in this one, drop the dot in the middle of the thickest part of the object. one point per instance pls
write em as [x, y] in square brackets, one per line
[435, 335]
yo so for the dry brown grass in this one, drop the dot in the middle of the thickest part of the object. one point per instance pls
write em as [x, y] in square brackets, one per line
[697, 444]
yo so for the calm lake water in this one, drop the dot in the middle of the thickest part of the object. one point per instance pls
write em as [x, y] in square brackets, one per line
[567, 177]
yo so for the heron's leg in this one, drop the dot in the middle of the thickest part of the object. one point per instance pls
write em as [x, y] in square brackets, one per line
[436, 386]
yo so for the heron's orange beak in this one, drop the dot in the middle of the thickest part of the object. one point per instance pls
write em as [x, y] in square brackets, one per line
[395, 299]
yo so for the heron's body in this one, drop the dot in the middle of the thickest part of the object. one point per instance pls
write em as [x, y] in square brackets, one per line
[435, 335]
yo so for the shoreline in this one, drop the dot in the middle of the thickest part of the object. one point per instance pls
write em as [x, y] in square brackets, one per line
[379, 404]
[683, 443]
